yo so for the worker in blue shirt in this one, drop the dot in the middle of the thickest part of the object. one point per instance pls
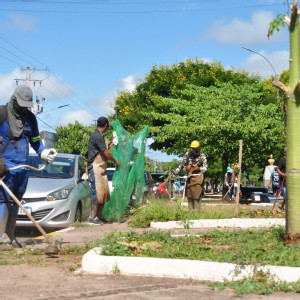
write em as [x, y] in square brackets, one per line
[18, 129]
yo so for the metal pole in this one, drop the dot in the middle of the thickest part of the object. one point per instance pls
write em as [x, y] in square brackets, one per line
[237, 199]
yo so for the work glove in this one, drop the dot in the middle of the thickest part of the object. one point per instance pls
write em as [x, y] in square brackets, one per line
[49, 155]
[115, 139]
[203, 170]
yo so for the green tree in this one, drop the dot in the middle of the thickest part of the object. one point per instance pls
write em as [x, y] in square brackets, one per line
[73, 138]
[292, 92]
[218, 107]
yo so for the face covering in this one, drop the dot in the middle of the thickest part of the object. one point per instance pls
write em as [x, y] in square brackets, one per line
[16, 117]
[20, 111]
[195, 152]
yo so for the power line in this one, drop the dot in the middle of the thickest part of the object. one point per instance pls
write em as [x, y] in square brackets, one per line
[46, 123]
[76, 103]
[10, 60]
[14, 55]
[141, 12]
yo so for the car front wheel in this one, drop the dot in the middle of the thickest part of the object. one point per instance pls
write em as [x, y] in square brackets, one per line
[77, 217]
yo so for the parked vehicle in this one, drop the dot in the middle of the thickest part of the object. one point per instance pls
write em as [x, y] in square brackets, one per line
[110, 174]
[159, 177]
[56, 196]
[149, 182]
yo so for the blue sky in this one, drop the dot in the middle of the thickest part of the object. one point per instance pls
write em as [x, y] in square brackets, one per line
[93, 49]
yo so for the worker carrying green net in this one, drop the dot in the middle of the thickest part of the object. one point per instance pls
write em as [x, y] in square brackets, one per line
[128, 180]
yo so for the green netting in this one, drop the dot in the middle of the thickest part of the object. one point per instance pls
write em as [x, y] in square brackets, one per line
[129, 179]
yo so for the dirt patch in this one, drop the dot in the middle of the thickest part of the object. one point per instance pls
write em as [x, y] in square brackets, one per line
[30, 275]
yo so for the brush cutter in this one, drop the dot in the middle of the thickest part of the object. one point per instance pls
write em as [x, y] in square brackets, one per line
[52, 247]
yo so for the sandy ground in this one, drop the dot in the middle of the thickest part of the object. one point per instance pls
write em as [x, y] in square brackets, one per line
[54, 277]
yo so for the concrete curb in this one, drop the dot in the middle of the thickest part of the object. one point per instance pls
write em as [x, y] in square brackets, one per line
[210, 223]
[95, 263]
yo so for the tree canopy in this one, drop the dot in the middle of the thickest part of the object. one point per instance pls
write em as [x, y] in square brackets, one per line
[201, 101]
[73, 138]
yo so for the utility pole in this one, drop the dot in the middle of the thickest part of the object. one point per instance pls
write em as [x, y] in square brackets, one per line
[28, 75]
[38, 107]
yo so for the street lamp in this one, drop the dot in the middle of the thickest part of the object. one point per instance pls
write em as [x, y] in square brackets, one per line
[276, 76]
[56, 108]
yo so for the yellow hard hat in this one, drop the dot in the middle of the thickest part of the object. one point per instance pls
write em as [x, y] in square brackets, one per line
[195, 144]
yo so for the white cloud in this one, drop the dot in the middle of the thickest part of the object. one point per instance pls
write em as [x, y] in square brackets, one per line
[20, 22]
[7, 86]
[128, 83]
[50, 87]
[56, 92]
[104, 103]
[82, 116]
[256, 63]
[248, 32]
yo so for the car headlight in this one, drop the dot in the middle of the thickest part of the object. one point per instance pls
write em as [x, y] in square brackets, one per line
[60, 194]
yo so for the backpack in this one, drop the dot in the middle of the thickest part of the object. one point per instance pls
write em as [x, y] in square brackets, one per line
[3, 166]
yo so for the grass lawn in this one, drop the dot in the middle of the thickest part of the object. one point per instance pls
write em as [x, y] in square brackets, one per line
[251, 247]
[163, 210]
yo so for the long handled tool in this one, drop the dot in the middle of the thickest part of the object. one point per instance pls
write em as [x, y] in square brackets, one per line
[52, 248]
[278, 193]
[224, 198]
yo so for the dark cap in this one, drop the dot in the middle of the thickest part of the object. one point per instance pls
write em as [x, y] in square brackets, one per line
[23, 95]
[102, 121]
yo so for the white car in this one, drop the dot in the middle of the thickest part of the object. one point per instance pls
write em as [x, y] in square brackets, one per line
[56, 196]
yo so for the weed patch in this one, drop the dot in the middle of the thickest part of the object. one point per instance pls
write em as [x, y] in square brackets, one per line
[162, 211]
[238, 246]
[261, 284]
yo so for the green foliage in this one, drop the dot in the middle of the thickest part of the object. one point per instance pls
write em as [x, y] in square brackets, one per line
[73, 138]
[193, 100]
[257, 247]
[276, 24]
[162, 211]
[260, 284]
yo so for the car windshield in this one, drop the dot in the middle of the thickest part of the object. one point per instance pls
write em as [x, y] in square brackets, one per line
[61, 168]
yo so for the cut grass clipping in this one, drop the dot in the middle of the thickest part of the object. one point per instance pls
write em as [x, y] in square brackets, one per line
[251, 247]
[259, 246]
[162, 211]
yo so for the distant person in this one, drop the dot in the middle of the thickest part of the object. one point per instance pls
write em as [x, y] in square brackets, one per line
[281, 169]
[229, 182]
[274, 181]
[195, 164]
[177, 187]
[98, 154]
[162, 189]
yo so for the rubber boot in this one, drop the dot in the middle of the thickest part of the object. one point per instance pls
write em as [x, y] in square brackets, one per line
[93, 209]
[4, 209]
[197, 204]
[99, 213]
[11, 222]
[191, 204]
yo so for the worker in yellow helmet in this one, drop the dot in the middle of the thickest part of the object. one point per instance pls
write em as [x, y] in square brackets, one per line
[195, 164]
